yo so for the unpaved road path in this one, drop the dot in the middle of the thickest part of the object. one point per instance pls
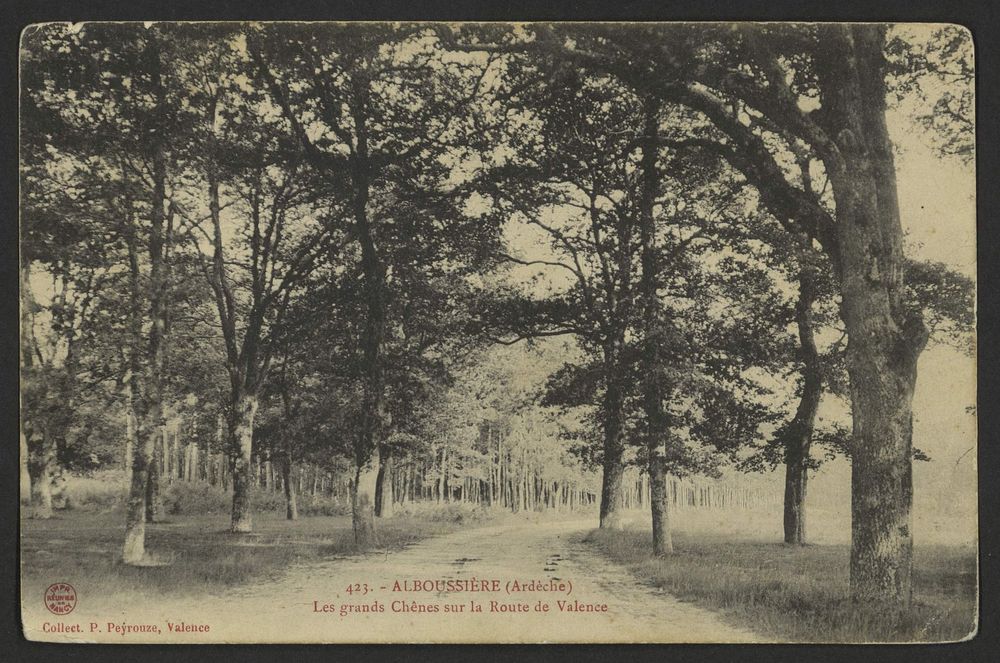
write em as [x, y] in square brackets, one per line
[285, 610]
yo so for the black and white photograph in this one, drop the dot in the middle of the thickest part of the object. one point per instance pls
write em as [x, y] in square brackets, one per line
[496, 332]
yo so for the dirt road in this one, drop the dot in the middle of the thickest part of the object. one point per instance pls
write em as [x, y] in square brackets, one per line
[390, 589]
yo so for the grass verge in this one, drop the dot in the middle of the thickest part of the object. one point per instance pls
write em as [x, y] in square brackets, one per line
[800, 593]
[83, 549]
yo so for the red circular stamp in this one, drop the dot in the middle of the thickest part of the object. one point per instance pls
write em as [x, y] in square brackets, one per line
[60, 598]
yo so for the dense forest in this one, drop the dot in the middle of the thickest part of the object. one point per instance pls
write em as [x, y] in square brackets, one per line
[297, 259]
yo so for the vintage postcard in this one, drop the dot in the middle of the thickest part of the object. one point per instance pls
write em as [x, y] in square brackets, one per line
[497, 333]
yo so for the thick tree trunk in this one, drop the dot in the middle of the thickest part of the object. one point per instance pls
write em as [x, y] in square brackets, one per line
[241, 441]
[659, 506]
[881, 476]
[134, 548]
[153, 491]
[291, 505]
[885, 338]
[374, 416]
[363, 501]
[657, 432]
[46, 476]
[383, 485]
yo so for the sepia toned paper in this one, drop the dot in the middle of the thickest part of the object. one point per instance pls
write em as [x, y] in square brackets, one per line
[331, 333]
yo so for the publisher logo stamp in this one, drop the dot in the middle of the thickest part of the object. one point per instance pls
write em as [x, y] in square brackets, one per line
[60, 598]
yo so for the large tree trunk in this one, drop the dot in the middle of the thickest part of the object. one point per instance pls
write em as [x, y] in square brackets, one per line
[799, 441]
[374, 416]
[657, 431]
[143, 458]
[663, 543]
[134, 549]
[363, 500]
[885, 339]
[46, 476]
[241, 441]
[614, 442]
[27, 348]
[383, 485]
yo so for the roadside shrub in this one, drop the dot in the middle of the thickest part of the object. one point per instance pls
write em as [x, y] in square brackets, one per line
[321, 506]
[195, 497]
[97, 493]
[264, 500]
[105, 491]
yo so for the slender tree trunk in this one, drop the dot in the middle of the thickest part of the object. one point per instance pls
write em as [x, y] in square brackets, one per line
[885, 337]
[166, 469]
[291, 506]
[614, 443]
[445, 472]
[153, 504]
[24, 484]
[194, 460]
[133, 549]
[241, 440]
[27, 343]
[800, 436]
[175, 454]
[796, 476]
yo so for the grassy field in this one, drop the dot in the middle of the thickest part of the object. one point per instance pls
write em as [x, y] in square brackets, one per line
[82, 548]
[800, 593]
